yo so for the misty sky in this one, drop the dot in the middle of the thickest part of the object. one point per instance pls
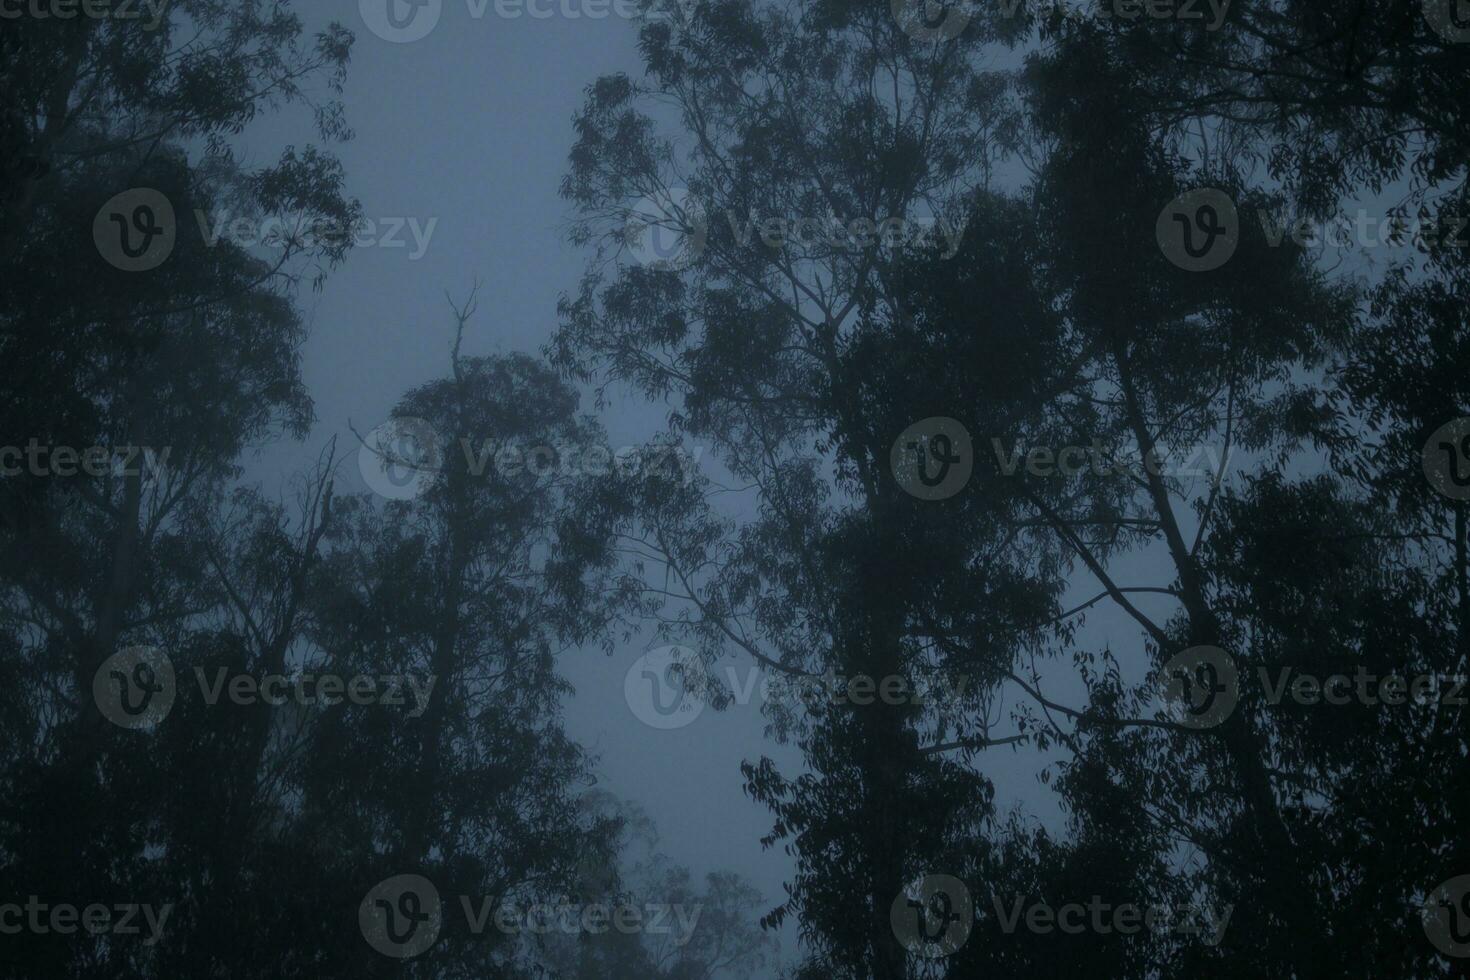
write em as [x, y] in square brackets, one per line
[471, 126]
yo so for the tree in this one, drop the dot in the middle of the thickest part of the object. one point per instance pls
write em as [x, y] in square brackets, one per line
[797, 360]
[169, 372]
[1059, 321]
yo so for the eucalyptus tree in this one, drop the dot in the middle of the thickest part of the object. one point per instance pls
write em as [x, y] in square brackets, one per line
[474, 578]
[1334, 108]
[1074, 312]
[764, 272]
[146, 355]
[128, 80]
